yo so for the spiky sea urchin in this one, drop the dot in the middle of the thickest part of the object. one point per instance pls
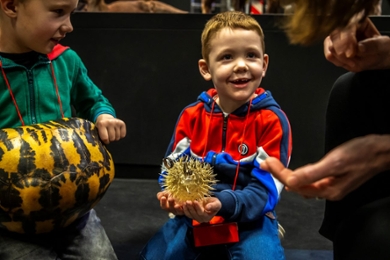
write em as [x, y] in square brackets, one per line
[188, 179]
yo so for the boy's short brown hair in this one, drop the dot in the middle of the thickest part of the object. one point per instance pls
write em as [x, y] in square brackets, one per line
[232, 20]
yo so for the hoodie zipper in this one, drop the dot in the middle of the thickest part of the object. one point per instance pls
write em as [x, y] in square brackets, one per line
[32, 95]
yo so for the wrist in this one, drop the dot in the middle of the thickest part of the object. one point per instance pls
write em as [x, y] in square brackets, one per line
[381, 148]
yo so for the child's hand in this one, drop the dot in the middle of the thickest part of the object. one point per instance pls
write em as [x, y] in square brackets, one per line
[110, 128]
[202, 212]
[168, 203]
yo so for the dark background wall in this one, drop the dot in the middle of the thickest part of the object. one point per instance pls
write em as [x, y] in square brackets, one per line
[186, 4]
[146, 64]
[181, 4]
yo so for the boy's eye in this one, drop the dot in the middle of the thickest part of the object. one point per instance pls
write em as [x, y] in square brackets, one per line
[58, 11]
[226, 57]
[251, 55]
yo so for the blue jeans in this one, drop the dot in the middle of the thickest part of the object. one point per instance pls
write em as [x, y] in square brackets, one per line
[258, 241]
[84, 239]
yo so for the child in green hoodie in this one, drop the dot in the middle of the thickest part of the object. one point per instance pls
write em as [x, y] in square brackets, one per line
[41, 81]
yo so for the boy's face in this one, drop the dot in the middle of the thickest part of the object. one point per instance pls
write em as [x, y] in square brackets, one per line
[40, 24]
[236, 66]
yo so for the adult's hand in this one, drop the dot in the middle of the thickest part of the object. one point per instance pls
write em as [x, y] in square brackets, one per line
[339, 172]
[358, 47]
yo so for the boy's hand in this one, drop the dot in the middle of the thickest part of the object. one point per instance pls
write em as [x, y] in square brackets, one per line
[202, 212]
[168, 203]
[110, 128]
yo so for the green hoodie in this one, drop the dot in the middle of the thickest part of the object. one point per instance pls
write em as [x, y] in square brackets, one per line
[35, 93]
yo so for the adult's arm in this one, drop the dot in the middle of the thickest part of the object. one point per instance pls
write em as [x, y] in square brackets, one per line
[339, 172]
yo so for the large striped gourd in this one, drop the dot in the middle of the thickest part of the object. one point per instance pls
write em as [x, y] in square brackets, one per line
[51, 174]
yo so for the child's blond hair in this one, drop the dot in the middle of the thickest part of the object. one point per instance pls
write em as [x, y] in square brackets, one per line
[232, 20]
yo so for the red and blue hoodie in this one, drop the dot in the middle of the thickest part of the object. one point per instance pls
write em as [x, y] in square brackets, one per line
[244, 138]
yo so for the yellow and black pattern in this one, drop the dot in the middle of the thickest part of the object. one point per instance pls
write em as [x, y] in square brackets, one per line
[51, 174]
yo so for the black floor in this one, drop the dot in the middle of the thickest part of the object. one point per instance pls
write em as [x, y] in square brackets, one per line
[131, 214]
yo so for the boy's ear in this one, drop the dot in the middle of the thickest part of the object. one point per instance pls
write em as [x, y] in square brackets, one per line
[204, 69]
[9, 7]
[265, 64]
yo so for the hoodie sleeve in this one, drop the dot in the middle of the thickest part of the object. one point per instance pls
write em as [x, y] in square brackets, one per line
[87, 98]
[276, 142]
[244, 205]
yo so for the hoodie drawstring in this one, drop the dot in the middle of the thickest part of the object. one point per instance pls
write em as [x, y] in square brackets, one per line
[208, 130]
[11, 93]
[13, 97]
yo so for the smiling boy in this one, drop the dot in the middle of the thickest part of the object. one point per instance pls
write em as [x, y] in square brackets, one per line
[233, 127]
[236, 63]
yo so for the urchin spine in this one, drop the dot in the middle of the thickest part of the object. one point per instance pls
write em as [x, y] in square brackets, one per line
[188, 179]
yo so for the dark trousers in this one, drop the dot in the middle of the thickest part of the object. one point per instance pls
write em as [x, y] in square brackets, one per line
[359, 224]
[365, 235]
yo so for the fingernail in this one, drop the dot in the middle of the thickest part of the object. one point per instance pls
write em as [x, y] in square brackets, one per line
[362, 48]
